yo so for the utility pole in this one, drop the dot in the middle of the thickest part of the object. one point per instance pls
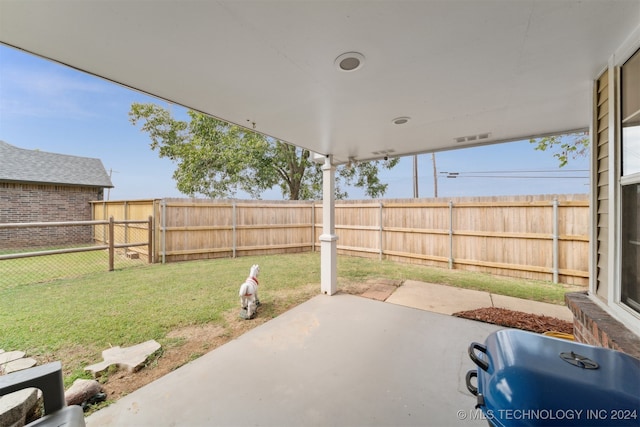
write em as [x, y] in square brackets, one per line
[415, 176]
[111, 171]
[435, 176]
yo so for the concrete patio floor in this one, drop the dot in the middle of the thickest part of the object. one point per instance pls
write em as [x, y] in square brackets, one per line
[342, 360]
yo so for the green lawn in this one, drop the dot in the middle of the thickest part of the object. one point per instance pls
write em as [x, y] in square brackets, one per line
[73, 320]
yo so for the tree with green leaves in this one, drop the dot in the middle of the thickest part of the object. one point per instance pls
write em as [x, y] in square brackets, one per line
[564, 147]
[216, 159]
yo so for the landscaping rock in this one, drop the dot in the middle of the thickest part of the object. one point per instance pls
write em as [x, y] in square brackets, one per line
[128, 358]
[82, 391]
[15, 406]
[18, 365]
[10, 355]
[37, 410]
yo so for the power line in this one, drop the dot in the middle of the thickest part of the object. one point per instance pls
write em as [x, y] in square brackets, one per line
[515, 174]
[523, 171]
[456, 175]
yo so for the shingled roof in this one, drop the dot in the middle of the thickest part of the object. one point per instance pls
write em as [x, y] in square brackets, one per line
[33, 166]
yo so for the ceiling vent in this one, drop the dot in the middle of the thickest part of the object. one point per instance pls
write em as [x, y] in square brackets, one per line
[382, 152]
[472, 138]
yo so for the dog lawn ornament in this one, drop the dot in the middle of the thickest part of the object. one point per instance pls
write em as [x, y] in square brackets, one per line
[249, 294]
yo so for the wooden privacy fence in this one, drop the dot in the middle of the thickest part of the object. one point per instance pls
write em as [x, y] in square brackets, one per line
[189, 229]
[536, 237]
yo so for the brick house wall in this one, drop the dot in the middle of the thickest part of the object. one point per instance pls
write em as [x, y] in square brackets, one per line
[23, 202]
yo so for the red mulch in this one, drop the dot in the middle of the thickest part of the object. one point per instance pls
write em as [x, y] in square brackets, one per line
[516, 319]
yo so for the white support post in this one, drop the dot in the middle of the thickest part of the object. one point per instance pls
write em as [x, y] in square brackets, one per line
[450, 234]
[556, 252]
[381, 236]
[328, 238]
[163, 237]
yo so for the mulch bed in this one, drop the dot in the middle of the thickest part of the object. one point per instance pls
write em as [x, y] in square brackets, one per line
[516, 319]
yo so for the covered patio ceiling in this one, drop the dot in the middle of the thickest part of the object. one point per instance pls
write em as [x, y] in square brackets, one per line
[463, 72]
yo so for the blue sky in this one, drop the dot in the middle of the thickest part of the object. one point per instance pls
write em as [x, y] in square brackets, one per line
[53, 108]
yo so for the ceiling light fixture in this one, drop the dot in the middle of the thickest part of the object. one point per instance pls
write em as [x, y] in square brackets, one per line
[350, 61]
[400, 120]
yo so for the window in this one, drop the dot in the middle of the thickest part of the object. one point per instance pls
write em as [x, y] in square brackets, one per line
[630, 150]
[631, 246]
[630, 192]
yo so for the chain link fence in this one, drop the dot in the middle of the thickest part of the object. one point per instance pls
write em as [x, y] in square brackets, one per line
[41, 252]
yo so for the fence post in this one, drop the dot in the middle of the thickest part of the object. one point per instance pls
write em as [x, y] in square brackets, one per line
[163, 229]
[450, 234]
[104, 217]
[381, 239]
[125, 208]
[555, 241]
[234, 225]
[150, 237]
[111, 243]
[313, 226]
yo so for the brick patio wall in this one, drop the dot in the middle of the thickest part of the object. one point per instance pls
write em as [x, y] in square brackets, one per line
[592, 325]
[45, 203]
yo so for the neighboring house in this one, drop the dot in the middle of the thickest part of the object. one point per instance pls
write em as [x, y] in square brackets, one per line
[36, 186]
